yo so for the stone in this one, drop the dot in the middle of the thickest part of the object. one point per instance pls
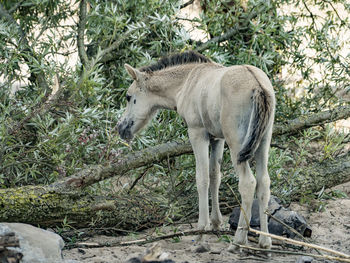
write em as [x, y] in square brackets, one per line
[304, 259]
[37, 245]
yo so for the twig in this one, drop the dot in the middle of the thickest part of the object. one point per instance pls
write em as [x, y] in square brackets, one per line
[186, 4]
[138, 178]
[310, 13]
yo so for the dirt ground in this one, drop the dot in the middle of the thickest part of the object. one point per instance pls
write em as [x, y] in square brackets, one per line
[331, 229]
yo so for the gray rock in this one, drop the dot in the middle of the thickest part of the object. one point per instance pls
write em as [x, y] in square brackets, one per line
[304, 259]
[36, 245]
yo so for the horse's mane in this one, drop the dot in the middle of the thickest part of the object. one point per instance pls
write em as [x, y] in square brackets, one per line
[176, 59]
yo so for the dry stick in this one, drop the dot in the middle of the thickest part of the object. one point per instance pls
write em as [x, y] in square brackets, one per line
[300, 243]
[287, 240]
[286, 252]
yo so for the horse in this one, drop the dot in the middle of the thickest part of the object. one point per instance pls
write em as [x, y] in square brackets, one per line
[235, 104]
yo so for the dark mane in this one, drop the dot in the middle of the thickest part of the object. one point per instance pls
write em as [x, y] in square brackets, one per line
[176, 59]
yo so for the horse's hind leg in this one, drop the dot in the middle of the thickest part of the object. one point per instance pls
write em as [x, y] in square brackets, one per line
[263, 187]
[217, 148]
[246, 186]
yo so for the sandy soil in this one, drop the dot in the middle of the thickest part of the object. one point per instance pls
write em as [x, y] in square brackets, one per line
[331, 229]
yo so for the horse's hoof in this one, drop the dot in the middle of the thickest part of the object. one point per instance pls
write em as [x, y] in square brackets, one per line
[265, 242]
[234, 249]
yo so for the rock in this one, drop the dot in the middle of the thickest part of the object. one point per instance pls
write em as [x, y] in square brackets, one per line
[290, 218]
[154, 254]
[304, 259]
[202, 248]
[35, 244]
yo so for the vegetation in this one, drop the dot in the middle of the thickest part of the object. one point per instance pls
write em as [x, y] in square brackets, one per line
[62, 118]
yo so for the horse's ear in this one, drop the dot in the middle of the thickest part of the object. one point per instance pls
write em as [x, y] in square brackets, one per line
[133, 72]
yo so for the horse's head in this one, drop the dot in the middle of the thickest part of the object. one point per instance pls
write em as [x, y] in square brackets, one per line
[141, 104]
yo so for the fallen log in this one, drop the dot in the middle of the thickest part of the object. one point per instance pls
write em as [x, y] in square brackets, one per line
[44, 206]
[49, 206]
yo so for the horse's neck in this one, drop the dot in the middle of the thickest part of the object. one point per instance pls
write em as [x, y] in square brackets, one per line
[169, 83]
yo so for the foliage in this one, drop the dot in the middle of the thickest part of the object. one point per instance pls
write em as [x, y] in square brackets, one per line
[38, 38]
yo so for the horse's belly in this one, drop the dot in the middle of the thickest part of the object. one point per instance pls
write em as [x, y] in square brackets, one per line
[210, 111]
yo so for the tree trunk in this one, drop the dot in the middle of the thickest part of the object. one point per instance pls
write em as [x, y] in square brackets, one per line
[45, 206]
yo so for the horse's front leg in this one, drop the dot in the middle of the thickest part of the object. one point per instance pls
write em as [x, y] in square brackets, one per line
[200, 144]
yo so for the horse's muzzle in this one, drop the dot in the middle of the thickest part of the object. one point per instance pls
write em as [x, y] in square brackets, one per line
[124, 129]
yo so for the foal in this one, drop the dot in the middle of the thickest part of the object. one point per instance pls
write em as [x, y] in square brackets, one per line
[233, 104]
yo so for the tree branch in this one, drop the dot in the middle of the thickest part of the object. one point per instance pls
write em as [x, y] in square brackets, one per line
[311, 120]
[227, 35]
[218, 39]
[97, 173]
[104, 53]
[81, 29]
[186, 4]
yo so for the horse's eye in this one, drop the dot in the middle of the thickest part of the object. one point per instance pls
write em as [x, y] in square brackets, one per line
[128, 97]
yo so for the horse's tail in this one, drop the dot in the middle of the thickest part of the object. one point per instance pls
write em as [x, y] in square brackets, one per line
[263, 110]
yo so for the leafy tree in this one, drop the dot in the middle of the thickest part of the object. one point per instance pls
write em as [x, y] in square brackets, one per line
[63, 116]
